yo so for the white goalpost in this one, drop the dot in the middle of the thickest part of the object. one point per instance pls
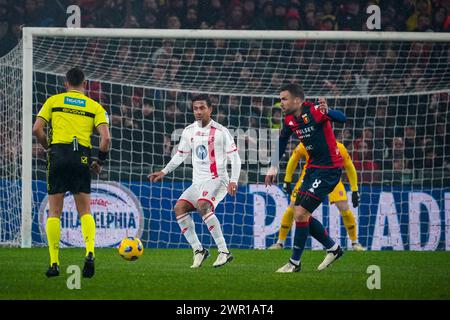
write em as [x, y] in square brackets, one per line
[394, 88]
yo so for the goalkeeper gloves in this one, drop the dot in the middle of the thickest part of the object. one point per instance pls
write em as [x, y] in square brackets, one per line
[287, 187]
[355, 199]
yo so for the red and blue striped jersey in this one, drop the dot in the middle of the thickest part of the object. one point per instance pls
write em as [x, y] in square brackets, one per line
[314, 130]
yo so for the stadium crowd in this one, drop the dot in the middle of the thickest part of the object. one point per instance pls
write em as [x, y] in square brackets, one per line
[397, 138]
[402, 15]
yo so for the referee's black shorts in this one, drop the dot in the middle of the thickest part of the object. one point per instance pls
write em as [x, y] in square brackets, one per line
[68, 170]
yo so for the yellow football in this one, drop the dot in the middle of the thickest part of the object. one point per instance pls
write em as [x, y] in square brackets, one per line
[131, 248]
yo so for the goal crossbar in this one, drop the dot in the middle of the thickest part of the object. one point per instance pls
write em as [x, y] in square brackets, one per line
[239, 34]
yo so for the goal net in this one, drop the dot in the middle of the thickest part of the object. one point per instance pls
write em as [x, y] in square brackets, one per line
[394, 89]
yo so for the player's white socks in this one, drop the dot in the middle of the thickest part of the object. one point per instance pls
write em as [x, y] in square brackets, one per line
[214, 227]
[187, 227]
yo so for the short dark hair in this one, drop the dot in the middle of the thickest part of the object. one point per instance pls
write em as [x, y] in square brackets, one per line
[202, 97]
[294, 89]
[75, 77]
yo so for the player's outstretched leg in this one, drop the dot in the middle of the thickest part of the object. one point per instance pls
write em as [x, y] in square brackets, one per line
[53, 230]
[300, 237]
[187, 227]
[286, 224]
[334, 251]
[214, 227]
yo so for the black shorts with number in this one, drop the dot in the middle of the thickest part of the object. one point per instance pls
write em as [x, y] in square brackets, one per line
[68, 170]
[317, 184]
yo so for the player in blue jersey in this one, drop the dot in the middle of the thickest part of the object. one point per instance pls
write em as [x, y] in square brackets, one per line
[312, 124]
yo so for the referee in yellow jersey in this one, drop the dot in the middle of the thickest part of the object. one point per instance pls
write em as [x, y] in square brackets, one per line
[72, 117]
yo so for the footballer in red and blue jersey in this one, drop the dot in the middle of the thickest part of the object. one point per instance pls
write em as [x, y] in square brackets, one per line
[312, 124]
[314, 130]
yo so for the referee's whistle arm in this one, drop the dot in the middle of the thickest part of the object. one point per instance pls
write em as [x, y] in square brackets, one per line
[105, 138]
[39, 133]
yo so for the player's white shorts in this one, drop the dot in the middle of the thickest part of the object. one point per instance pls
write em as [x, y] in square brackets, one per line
[212, 191]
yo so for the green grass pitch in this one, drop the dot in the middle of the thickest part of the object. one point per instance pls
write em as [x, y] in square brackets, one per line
[165, 274]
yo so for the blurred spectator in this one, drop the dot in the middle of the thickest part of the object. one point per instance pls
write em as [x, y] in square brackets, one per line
[249, 12]
[413, 153]
[327, 23]
[173, 22]
[279, 15]
[237, 20]
[174, 8]
[439, 19]
[111, 15]
[367, 137]
[370, 78]
[366, 168]
[167, 148]
[420, 7]
[265, 21]
[349, 16]
[310, 21]
[6, 38]
[213, 12]
[163, 55]
[347, 139]
[150, 5]
[150, 20]
[328, 8]
[258, 113]
[309, 6]
[276, 117]
[191, 19]
[398, 148]
[293, 20]
[171, 116]
[423, 23]
[236, 119]
[131, 22]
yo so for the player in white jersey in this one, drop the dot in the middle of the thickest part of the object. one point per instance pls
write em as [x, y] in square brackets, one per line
[210, 145]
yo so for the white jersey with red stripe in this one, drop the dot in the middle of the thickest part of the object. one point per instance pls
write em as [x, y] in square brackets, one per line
[210, 147]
